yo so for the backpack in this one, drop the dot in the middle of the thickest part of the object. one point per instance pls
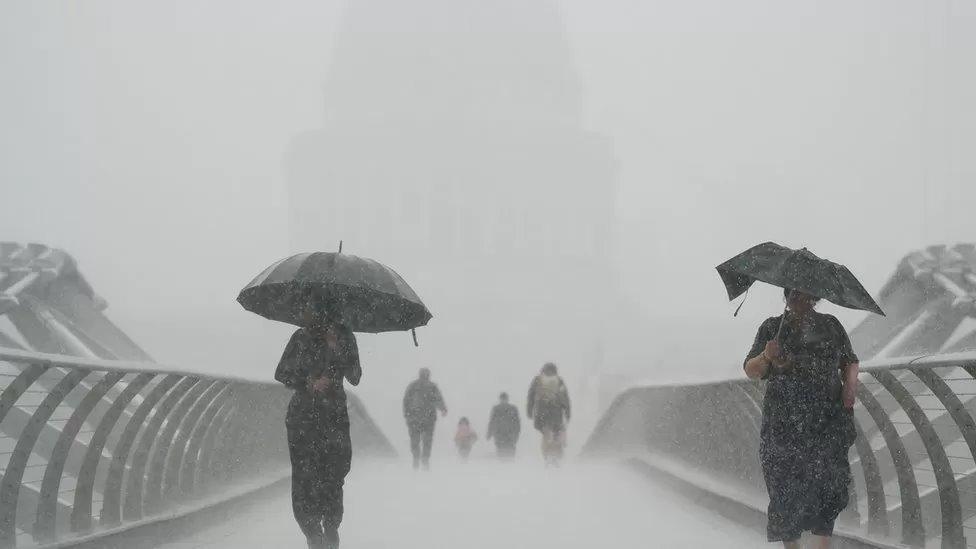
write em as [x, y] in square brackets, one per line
[548, 390]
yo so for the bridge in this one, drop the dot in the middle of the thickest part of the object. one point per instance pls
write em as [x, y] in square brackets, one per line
[103, 447]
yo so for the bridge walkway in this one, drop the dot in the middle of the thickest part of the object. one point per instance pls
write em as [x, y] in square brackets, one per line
[484, 504]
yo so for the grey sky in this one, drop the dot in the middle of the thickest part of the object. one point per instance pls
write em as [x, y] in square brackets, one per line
[147, 139]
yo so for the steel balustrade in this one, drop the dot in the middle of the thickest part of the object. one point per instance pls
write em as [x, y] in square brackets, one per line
[914, 458]
[133, 440]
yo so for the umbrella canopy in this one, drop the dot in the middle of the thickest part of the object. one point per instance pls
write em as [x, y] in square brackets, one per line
[796, 269]
[360, 293]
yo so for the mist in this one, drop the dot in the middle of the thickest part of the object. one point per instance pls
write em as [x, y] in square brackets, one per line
[167, 147]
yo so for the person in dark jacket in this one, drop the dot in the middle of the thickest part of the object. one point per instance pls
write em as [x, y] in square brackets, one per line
[314, 364]
[548, 406]
[421, 401]
[807, 424]
[504, 426]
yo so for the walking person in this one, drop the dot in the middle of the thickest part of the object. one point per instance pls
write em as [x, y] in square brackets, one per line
[548, 406]
[464, 438]
[807, 425]
[421, 401]
[314, 364]
[329, 296]
[504, 427]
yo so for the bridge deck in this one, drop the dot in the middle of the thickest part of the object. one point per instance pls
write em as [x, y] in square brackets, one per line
[485, 504]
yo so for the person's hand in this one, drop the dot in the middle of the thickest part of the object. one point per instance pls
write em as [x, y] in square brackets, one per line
[320, 384]
[773, 352]
[849, 396]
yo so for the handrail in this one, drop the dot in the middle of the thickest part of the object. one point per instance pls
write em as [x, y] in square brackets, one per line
[914, 461]
[94, 447]
[891, 363]
[127, 366]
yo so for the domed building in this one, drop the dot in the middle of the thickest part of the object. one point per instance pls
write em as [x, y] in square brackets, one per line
[452, 147]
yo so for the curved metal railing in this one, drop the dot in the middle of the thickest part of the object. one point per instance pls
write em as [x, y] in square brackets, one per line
[92, 446]
[914, 460]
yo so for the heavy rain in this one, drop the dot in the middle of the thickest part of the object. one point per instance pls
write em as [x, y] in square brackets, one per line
[536, 273]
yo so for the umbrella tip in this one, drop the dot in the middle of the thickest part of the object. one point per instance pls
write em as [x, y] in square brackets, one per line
[340, 246]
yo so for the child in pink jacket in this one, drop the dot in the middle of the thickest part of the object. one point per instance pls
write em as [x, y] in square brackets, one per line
[465, 438]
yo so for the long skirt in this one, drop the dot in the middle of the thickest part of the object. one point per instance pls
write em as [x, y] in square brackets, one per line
[807, 485]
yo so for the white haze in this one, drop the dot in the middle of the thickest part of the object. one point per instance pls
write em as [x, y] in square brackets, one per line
[150, 141]
[484, 505]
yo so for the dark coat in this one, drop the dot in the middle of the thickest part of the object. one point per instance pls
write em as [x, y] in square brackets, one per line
[421, 401]
[504, 425]
[806, 432]
[318, 427]
[308, 356]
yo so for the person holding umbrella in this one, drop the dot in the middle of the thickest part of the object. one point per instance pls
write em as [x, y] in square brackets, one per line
[811, 371]
[316, 361]
[329, 296]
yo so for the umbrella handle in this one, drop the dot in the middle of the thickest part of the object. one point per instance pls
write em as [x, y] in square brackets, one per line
[783, 318]
[780, 329]
[414, 332]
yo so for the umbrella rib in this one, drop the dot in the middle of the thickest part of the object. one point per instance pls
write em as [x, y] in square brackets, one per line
[267, 272]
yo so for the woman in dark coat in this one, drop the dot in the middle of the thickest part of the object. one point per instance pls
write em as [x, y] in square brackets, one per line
[807, 426]
[316, 361]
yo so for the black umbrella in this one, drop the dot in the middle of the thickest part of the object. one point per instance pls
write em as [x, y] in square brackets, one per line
[360, 293]
[795, 269]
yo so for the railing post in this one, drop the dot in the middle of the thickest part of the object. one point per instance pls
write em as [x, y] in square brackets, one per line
[111, 513]
[952, 531]
[912, 531]
[163, 444]
[195, 451]
[877, 506]
[81, 512]
[44, 527]
[174, 459]
[13, 476]
[133, 506]
[174, 429]
[213, 440]
[11, 393]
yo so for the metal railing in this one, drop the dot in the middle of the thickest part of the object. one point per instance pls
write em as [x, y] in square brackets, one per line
[89, 447]
[914, 460]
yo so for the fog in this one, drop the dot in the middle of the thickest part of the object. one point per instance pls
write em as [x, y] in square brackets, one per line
[556, 179]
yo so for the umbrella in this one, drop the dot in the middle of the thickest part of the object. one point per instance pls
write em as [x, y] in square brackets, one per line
[795, 269]
[359, 293]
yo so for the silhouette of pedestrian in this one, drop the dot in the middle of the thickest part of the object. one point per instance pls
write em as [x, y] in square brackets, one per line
[504, 426]
[315, 362]
[421, 401]
[548, 406]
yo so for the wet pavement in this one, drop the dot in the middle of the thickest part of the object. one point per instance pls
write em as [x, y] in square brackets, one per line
[484, 504]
